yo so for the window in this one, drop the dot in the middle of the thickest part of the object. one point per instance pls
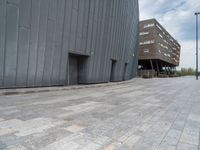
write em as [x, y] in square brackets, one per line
[147, 42]
[164, 46]
[160, 35]
[146, 50]
[149, 25]
[174, 48]
[158, 27]
[144, 33]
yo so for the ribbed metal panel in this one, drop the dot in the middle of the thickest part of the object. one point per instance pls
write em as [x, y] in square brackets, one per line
[37, 36]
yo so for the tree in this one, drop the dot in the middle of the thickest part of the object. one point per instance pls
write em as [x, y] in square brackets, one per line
[186, 72]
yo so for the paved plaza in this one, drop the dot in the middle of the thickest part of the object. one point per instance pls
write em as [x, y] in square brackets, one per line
[152, 114]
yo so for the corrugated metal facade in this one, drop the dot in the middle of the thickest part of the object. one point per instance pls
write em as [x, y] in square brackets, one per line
[37, 38]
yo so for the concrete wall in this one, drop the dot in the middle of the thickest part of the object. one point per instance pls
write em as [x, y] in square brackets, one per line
[37, 36]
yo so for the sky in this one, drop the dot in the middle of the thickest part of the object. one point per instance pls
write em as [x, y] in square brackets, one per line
[177, 17]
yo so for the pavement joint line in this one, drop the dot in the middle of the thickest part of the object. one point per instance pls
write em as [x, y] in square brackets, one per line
[168, 131]
[190, 109]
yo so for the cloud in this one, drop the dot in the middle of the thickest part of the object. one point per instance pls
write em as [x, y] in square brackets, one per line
[178, 19]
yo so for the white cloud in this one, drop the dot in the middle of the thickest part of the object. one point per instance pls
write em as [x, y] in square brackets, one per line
[177, 16]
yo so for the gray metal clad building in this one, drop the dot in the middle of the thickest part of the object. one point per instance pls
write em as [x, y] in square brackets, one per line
[62, 42]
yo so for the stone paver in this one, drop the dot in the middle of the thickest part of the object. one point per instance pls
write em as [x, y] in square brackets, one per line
[155, 114]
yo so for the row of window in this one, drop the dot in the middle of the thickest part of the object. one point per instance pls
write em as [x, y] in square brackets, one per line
[149, 25]
[171, 39]
[173, 48]
[158, 26]
[177, 45]
[167, 41]
[175, 60]
[144, 33]
[176, 54]
[152, 25]
[169, 55]
[164, 46]
[160, 35]
[146, 50]
[147, 42]
[165, 54]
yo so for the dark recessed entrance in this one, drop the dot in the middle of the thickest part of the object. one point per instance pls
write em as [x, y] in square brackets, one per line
[113, 67]
[124, 73]
[77, 69]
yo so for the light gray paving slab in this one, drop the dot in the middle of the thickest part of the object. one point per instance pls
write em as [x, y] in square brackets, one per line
[185, 146]
[190, 135]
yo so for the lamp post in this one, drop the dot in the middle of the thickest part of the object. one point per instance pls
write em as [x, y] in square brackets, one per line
[197, 54]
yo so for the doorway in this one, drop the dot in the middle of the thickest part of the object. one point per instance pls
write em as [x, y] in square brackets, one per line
[112, 73]
[76, 69]
[73, 70]
[124, 73]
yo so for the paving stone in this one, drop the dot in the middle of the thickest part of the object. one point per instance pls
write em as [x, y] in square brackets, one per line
[16, 147]
[185, 146]
[24, 128]
[130, 142]
[112, 146]
[190, 135]
[91, 146]
[167, 147]
[75, 128]
[6, 131]
[171, 140]
[194, 117]
[64, 144]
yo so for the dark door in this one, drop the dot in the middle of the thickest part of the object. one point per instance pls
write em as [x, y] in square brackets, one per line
[112, 74]
[124, 73]
[73, 70]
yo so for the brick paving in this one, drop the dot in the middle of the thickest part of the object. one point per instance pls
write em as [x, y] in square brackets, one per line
[155, 114]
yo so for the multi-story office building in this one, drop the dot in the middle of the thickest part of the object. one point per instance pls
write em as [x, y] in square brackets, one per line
[62, 42]
[158, 49]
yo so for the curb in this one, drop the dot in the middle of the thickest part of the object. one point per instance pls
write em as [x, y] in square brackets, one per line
[4, 92]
